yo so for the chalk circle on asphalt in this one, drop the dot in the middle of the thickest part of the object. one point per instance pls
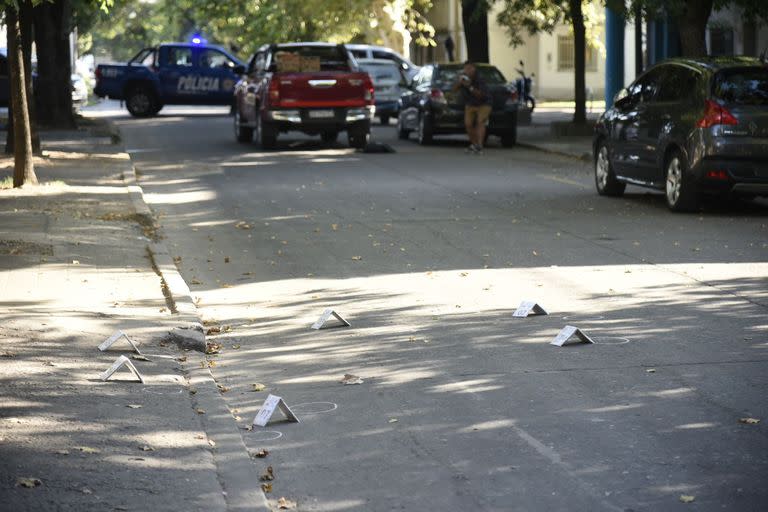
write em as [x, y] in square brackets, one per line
[583, 318]
[610, 340]
[315, 407]
[265, 435]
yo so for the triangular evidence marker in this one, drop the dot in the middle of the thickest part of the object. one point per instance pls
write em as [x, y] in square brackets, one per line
[528, 308]
[268, 409]
[569, 332]
[120, 362]
[326, 315]
[113, 339]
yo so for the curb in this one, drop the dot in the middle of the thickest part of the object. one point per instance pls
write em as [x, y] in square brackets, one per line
[235, 470]
[585, 157]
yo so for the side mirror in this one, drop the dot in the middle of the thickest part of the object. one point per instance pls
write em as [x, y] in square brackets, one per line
[622, 95]
[239, 69]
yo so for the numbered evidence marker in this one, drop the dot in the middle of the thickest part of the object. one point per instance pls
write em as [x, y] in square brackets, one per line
[325, 316]
[112, 339]
[119, 362]
[568, 333]
[528, 308]
[268, 409]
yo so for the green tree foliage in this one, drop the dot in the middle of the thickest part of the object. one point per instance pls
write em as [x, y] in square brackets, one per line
[245, 25]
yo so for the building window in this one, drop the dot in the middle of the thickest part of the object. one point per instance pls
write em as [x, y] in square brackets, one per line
[566, 52]
[721, 41]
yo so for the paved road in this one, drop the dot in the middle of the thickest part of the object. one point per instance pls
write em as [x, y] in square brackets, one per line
[427, 252]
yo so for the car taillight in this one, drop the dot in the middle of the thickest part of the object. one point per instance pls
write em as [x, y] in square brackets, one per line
[513, 96]
[274, 94]
[98, 73]
[714, 115]
[369, 91]
[437, 96]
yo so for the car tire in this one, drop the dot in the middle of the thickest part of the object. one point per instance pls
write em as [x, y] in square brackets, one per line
[141, 101]
[605, 179]
[243, 134]
[329, 137]
[266, 135]
[425, 130]
[402, 133]
[359, 136]
[681, 193]
[509, 137]
[384, 120]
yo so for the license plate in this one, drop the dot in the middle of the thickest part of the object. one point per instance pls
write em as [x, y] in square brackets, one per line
[320, 114]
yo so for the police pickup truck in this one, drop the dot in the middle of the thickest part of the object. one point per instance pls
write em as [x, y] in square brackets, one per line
[171, 74]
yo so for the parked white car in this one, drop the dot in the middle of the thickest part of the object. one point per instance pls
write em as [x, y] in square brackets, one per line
[388, 78]
[368, 51]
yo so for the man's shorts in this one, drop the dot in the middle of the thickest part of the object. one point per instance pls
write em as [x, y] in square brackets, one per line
[476, 114]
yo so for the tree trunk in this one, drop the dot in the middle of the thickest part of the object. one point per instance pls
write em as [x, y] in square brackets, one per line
[53, 24]
[579, 61]
[23, 169]
[27, 36]
[692, 23]
[474, 15]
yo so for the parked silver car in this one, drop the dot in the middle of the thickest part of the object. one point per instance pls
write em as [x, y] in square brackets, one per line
[388, 79]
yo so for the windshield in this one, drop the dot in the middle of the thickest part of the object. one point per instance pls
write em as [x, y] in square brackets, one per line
[294, 59]
[446, 77]
[381, 71]
[742, 86]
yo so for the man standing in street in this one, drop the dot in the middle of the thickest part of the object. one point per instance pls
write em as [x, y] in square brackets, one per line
[477, 106]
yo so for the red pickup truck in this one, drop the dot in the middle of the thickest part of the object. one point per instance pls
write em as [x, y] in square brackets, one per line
[315, 88]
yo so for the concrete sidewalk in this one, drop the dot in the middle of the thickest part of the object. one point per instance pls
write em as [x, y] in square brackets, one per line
[539, 135]
[74, 268]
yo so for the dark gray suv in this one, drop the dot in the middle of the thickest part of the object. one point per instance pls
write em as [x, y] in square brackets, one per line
[688, 127]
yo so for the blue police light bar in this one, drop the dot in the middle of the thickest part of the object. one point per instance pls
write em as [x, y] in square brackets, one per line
[198, 39]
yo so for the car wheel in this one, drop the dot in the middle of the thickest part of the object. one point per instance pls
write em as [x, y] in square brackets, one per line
[605, 179]
[425, 130]
[329, 137]
[384, 120]
[681, 193]
[359, 137]
[402, 133]
[242, 133]
[141, 101]
[265, 134]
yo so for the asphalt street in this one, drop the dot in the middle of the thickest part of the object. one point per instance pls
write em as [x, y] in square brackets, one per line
[427, 252]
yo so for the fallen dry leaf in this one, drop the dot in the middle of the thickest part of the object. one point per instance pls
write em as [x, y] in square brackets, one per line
[195, 281]
[393, 420]
[262, 453]
[86, 490]
[134, 406]
[357, 258]
[88, 449]
[242, 225]
[212, 347]
[139, 357]
[212, 443]
[213, 330]
[749, 421]
[29, 482]
[268, 475]
[146, 448]
[285, 504]
[236, 347]
[266, 487]
[61, 452]
[650, 370]
[351, 379]
[7, 354]
[199, 410]
[686, 498]
[222, 389]
[258, 386]
[226, 259]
